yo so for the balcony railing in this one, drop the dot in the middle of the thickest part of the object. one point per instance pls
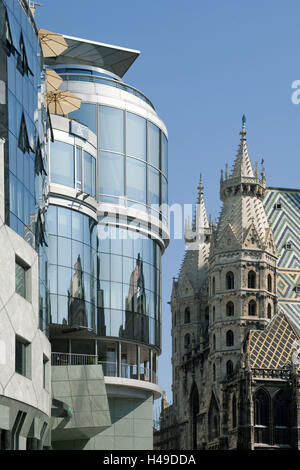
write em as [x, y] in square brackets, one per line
[110, 369]
[283, 374]
[71, 359]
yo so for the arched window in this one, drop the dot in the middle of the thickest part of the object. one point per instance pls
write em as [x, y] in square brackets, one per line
[252, 308]
[187, 341]
[261, 417]
[229, 338]
[214, 372]
[269, 283]
[229, 309]
[213, 420]
[229, 368]
[281, 418]
[251, 280]
[269, 311]
[214, 342]
[233, 411]
[175, 345]
[175, 318]
[213, 285]
[229, 280]
[214, 313]
[187, 315]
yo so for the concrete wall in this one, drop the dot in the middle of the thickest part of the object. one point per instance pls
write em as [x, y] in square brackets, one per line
[131, 429]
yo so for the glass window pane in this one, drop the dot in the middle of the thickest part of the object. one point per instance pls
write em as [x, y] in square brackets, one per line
[89, 174]
[153, 144]
[64, 222]
[62, 163]
[116, 322]
[111, 174]
[116, 268]
[153, 186]
[116, 295]
[78, 168]
[111, 129]
[136, 180]
[64, 251]
[77, 225]
[51, 216]
[164, 155]
[135, 136]
[104, 266]
[86, 115]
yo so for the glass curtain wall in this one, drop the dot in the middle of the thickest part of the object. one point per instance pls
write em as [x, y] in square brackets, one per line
[132, 157]
[102, 277]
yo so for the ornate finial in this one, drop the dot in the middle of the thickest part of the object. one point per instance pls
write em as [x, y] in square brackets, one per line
[221, 175]
[226, 171]
[256, 170]
[243, 131]
[200, 185]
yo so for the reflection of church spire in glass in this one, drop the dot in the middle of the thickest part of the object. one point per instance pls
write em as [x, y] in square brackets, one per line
[76, 297]
[136, 300]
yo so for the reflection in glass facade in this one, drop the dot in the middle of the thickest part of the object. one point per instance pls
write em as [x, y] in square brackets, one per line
[132, 157]
[105, 278]
[23, 124]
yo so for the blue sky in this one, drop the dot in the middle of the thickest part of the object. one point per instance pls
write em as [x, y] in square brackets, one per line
[203, 64]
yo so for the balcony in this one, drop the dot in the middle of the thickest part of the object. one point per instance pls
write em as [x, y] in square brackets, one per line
[110, 369]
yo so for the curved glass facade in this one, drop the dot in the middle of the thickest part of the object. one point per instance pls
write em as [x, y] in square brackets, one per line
[132, 157]
[103, 277]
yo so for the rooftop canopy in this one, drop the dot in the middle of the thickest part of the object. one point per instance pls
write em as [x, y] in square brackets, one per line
[84, 52]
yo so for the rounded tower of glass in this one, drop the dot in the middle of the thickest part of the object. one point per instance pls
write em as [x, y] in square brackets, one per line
[107, 221]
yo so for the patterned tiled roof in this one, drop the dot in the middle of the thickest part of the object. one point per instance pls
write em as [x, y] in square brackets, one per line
[272, 348]
[285, 222]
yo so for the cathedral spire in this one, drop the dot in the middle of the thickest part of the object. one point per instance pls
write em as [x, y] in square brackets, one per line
[242, 165]
[200, 218]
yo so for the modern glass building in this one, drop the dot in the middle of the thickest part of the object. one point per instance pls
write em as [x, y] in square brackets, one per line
[25, 396]
[107, 230]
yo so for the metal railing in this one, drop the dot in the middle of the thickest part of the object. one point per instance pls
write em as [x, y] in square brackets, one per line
[110, 369]
[71, 359]
[128, 371]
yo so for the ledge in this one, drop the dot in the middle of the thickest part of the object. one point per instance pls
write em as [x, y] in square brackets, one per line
[119, 386]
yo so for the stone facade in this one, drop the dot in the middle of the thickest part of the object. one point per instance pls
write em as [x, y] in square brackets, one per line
[235, 385]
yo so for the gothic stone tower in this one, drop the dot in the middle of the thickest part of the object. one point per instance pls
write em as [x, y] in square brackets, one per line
[190, 317]
[242, 286]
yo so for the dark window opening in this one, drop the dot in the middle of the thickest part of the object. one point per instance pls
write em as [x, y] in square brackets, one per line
[229, 309]
[229, 338]
[251, 280]
[229, 368]
[187, 315]
[269, 283]
[229, 280]
[252, 308]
